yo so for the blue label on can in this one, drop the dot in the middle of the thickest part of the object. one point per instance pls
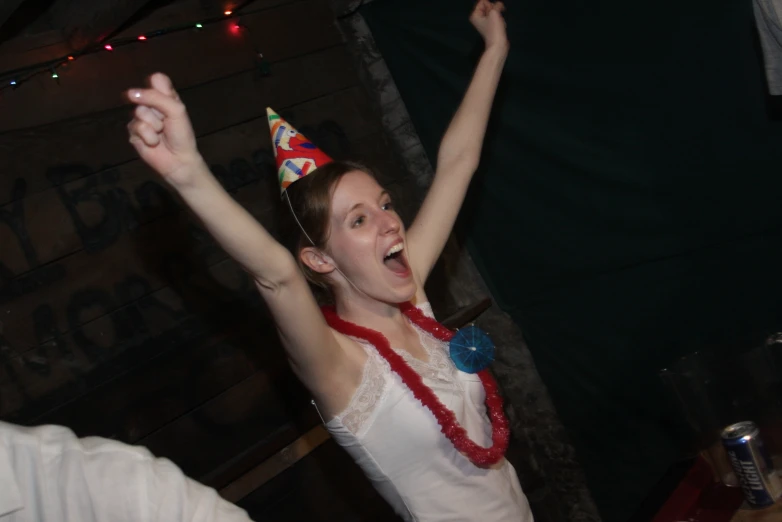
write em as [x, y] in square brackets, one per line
[748, 460]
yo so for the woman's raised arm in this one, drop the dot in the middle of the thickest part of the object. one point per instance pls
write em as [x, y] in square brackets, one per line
[460, 150]
[163, 136]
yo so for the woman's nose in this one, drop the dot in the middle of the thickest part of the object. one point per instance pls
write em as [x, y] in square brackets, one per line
[390, 223]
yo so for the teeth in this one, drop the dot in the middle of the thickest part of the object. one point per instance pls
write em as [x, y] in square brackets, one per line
[394, 249]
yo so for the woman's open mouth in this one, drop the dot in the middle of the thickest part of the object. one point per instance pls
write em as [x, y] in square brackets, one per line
[395, 260]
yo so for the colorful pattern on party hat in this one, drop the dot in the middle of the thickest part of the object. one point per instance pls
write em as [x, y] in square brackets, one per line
[296, 155]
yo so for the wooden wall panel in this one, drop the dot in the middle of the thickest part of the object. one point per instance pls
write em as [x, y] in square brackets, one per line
[84, 23]
[93, 82]
[53, 154]
[102, 229]
[190, 11]
[308, 491]
[43, 43]
[252, 414]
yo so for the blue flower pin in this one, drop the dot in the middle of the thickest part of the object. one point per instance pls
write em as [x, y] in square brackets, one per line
[471, 349]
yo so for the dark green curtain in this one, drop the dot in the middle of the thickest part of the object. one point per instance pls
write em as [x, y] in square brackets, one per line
[628, 206]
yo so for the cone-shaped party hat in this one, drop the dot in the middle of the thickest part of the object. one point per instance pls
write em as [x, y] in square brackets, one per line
[296, 155]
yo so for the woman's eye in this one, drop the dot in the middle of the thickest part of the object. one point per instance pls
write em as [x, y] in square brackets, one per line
[358, 221]
[388, 206]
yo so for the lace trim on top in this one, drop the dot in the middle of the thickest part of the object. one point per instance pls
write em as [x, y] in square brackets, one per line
[439, 372]
[373, 385]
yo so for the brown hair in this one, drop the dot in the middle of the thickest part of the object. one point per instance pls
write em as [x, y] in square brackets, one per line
[310, 199]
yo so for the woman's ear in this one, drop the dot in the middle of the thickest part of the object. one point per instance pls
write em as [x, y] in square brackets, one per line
[317, 260]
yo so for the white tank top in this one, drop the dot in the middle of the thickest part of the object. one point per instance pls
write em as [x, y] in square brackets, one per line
[397, 442]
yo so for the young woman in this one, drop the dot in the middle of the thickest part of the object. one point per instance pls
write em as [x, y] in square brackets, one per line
[430, 437]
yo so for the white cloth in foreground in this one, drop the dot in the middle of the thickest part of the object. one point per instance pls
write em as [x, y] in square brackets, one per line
[48, 474]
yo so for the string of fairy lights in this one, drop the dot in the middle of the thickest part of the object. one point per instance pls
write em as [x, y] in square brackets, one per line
[13, 79]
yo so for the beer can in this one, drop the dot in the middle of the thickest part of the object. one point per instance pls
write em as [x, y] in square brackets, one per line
[751, 463]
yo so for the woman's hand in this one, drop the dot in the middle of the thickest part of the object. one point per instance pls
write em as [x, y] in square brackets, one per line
[487, 19]
[161, 131]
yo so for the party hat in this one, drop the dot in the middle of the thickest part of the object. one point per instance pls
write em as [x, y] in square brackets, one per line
[296, 155]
